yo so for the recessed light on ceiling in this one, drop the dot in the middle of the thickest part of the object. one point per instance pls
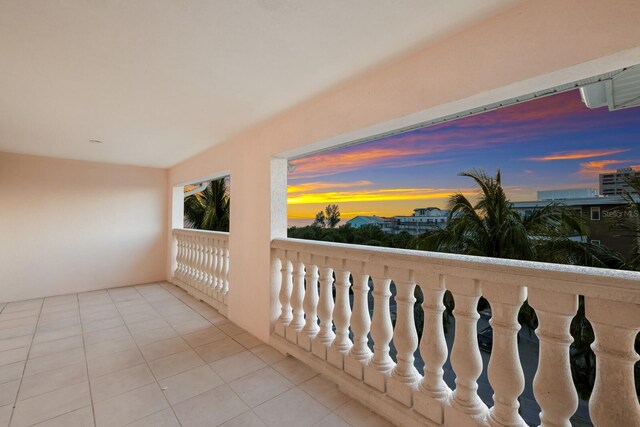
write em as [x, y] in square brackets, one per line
[95, 141]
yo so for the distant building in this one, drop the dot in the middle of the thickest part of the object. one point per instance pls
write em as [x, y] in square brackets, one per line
[361, 221]
[567, 193]
[422, 221]
[612, 184]
[597, 210]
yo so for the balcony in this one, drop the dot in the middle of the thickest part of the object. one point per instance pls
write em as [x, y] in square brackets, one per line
[114, 314]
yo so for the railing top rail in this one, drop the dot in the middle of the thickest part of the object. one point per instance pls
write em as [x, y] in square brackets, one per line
[191, 231]
[602, 283]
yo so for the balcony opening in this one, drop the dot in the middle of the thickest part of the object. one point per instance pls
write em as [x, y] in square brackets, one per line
[207, 205]
[528, 179]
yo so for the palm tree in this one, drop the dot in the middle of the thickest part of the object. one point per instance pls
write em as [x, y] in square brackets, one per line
[493, 228]
[627, 220]
[209, 209]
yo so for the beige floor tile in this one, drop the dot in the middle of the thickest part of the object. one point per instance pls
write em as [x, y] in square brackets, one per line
[8, 392]
[114, 362]
[238, 365]
[204, 336]
[145, 325]
[82, 417]
[54, 361]
[164, 418]
[325, 391]
[267, 353]
[12, 356]
[107, 314]
[232, 329]
[58, 324]
[210, 408]
[176, 363]
[51, 347]
[359, 416]
[115, 383]
[293, 407]
[22, 305]
[15, 342]
[73, 313]
[248, 419]
[178, 307]
[260, 386]
[106, 335]
[19, 314]
[109, 347]
[154, 335]
[11, 372]
[51, 405]
[219, 350]
[163, 348]
[54, 379]
[101, 324]
[130, 406]
[14, 323]
[190, 383]
[186, 316]
[16, 332]
[56, 334]
[139, 316]
[5, 415]
[332, 420]
[294, 370]
[247, 340]
[191, 326]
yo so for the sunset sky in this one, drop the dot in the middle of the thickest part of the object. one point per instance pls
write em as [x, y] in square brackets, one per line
[549, 143]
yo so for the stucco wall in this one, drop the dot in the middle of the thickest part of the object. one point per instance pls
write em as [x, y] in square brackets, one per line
[536, 45]
[70, 226]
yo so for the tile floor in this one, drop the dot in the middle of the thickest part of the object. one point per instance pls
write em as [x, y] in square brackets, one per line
[151, 355]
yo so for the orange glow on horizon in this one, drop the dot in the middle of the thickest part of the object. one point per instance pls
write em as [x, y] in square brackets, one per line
[581, 154]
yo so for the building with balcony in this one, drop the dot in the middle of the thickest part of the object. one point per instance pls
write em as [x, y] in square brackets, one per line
[615, 183]
[113, 314]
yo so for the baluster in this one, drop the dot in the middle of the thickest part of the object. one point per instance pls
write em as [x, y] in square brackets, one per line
[178, 272]
[466, 408]
[381, 364]
[310, 305]
[189, 277]
[341, 313]
[214, 264]
[553, 383]
[225, 273]
[297, 296]
[325, 310]
[208, 264]
[201, 281]
[196, 259]
[504, 370]
[219, 261]
[404, 377]
[616, 324]
[284, 296]
[432, 392]
[360, 354]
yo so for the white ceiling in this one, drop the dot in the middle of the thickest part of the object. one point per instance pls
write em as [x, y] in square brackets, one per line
[161, 80]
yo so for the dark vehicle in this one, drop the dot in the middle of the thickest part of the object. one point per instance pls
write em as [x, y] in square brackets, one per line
[485, 339]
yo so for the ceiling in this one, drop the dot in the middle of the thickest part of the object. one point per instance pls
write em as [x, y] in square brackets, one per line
[158, 81]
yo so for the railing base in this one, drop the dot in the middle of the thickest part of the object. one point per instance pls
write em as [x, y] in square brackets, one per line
[213, 302]
[381, 404]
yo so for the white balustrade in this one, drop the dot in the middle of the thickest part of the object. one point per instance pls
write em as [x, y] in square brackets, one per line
[202, 265]
[308, 319]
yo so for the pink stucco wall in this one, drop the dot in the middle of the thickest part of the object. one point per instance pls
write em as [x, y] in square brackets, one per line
[70, 226]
